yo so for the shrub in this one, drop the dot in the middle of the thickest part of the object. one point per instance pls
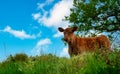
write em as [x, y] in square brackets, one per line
[21, 57]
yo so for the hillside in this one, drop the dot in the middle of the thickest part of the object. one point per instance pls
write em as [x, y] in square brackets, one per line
[87, 63]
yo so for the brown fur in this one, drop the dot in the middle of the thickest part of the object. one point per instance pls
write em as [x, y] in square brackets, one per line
[78, 45]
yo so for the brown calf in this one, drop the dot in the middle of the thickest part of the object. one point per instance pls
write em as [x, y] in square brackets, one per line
[78, 45]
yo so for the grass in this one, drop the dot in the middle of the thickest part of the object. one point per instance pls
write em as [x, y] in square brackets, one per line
[87, 63]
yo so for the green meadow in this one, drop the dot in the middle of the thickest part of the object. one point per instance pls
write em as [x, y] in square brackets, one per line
[87, 63]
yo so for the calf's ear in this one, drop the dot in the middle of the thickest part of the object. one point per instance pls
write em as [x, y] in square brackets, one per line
[60, 29]
[74, 28]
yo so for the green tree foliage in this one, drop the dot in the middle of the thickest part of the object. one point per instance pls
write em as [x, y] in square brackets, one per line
[96, 15]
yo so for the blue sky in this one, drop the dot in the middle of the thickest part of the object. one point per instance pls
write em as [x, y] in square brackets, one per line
[30, 26]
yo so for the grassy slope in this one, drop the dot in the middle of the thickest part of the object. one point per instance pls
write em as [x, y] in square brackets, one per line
[87, 63]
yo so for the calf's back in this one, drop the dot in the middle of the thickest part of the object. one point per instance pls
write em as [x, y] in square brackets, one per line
[79, 45]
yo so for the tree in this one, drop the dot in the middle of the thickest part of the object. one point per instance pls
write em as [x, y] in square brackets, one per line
[95, 15]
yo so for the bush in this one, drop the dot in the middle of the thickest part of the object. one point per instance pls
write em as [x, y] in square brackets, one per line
[21, 57]
[18, 57]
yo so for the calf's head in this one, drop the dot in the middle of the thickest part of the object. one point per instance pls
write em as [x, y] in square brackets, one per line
[68, 32]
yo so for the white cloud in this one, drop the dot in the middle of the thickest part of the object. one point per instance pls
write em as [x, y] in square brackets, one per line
[41, 46]
[64, 52]
[57, 13]
[42, 5]
[36, 16]
[43, 42]
[58, 34]
[19, 34]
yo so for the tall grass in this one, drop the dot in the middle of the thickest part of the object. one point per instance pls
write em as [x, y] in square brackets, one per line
[87, 63]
